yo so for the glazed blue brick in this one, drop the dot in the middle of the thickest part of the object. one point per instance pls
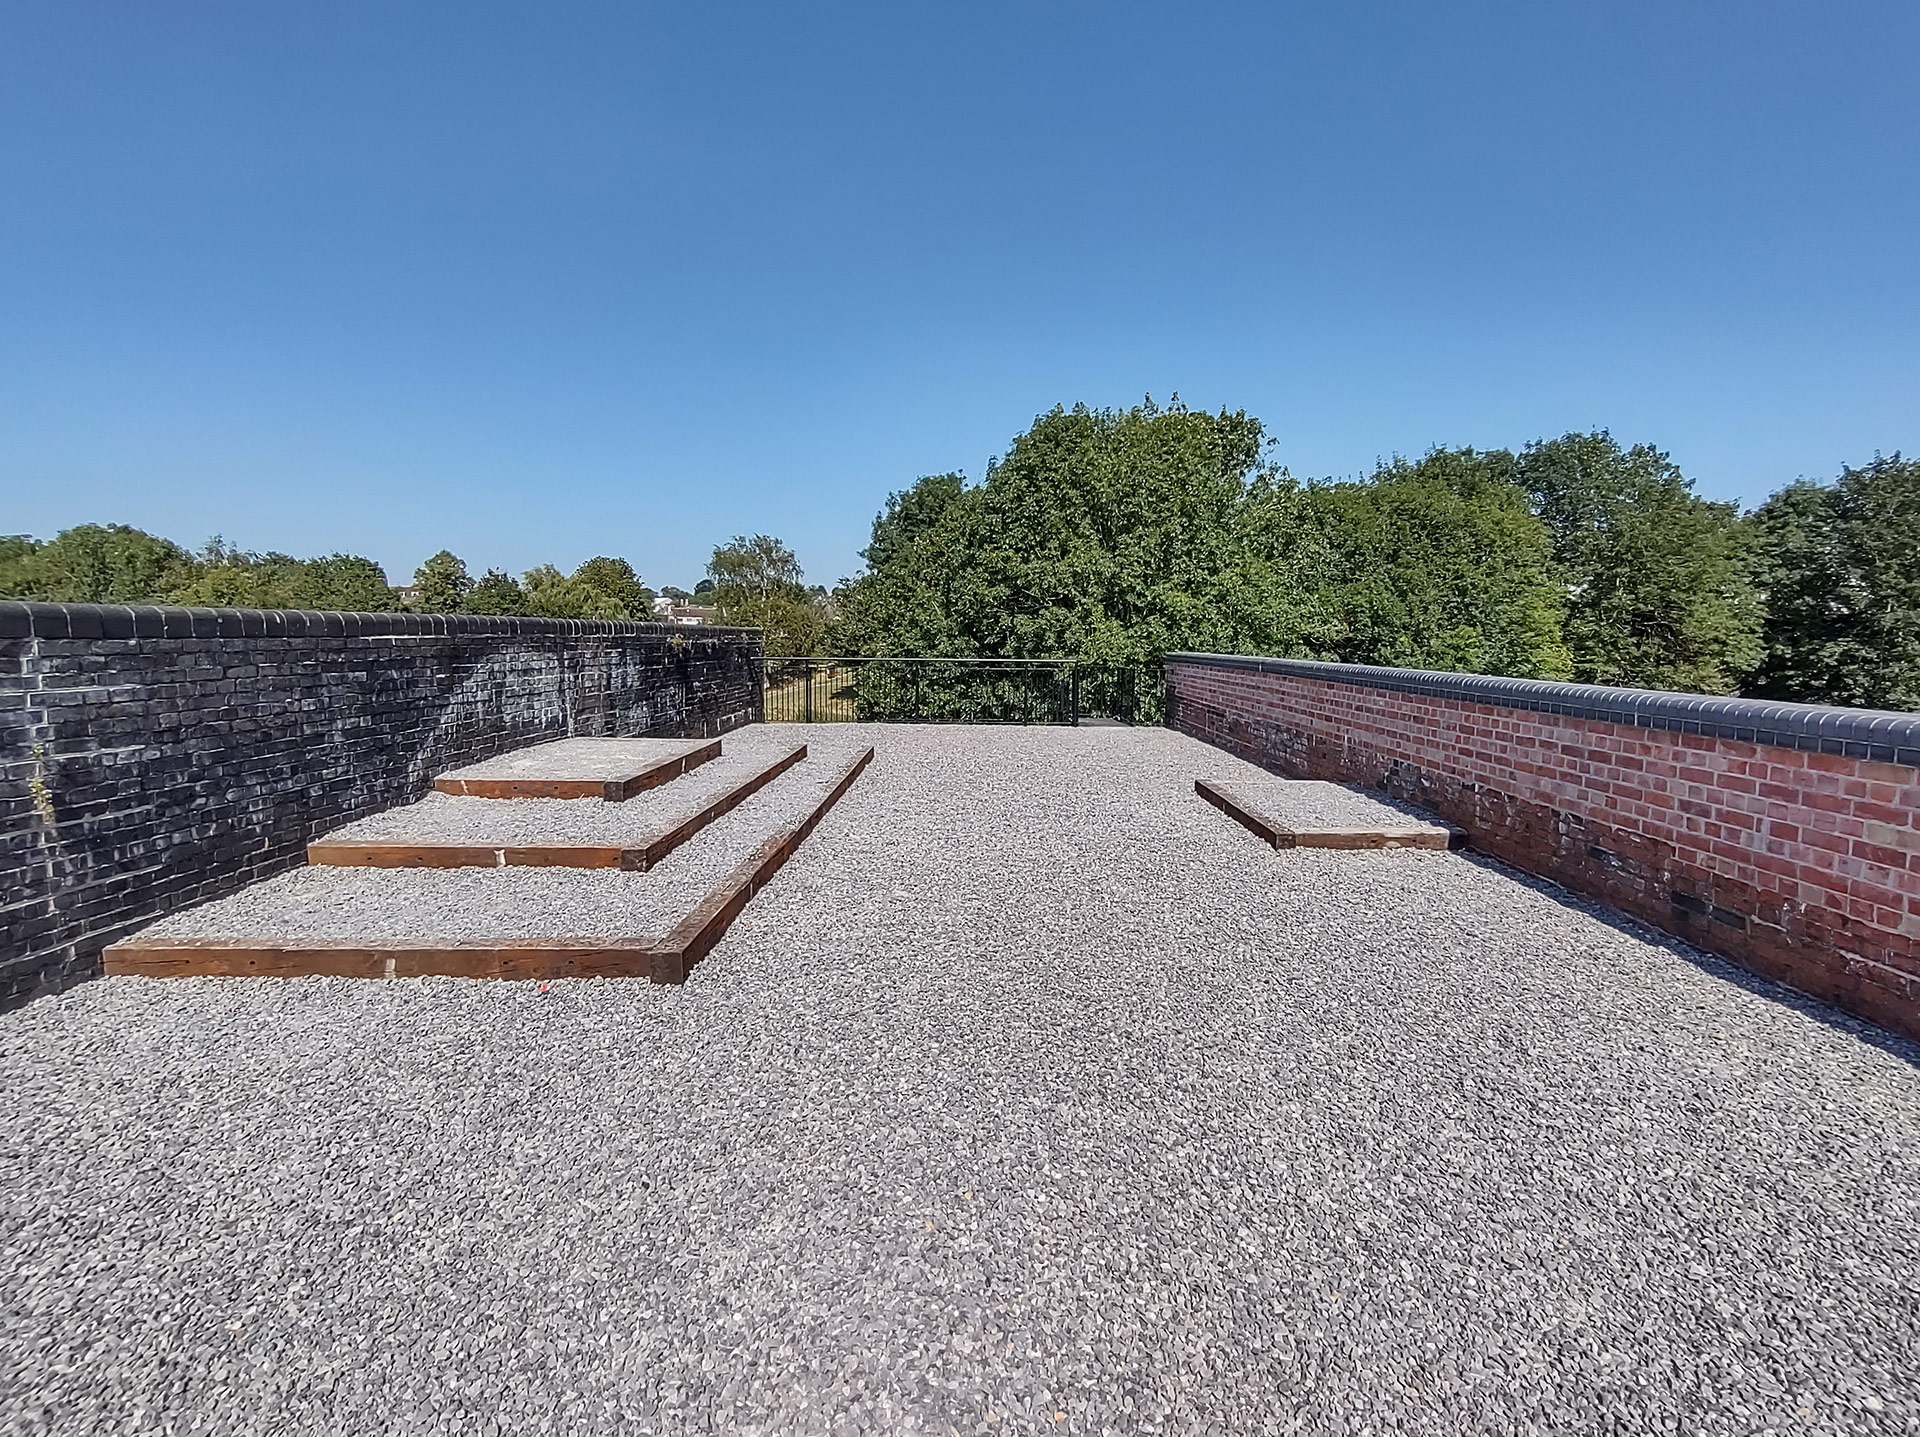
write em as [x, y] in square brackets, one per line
[190, 752]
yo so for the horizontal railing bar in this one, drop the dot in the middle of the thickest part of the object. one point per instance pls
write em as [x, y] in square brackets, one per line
[1027, 663]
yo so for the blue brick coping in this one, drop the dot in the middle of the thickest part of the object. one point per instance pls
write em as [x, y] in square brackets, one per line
[1816, 728]
[148, 621]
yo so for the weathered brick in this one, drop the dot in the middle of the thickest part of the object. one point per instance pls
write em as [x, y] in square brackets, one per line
[1643, 817]
[182, 765]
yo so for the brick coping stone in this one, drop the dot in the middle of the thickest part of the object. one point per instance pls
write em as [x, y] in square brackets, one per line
[1876, 734]
[169, 621]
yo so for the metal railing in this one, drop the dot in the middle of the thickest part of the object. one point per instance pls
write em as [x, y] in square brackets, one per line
[923, 690]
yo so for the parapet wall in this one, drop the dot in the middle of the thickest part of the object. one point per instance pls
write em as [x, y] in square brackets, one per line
[152, 758]
[1785, 837]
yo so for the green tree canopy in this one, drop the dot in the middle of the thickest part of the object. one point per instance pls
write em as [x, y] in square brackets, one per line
[231, 578]
[496, 592]
[1116, 536]
[15, 549]
[1658, 590]
[758, 582]
[615, 582]
[443, 584]
[96, 564]
[1434, 565]
[1103, 534]
[1840, 569]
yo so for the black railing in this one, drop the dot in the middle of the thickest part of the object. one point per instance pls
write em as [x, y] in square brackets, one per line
[1126, 693]
[919, 690]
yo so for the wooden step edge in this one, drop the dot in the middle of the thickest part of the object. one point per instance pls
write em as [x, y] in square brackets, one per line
[521, 787]
[393, 958]
[696, 934]
[513, 958]
[328, 853]
[619, 790]
[1375, 838]
[613, 790]
[1228, 803]
[647, 854]
[635, 859]
[1432, 836]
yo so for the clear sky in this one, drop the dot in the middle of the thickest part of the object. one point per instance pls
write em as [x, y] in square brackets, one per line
[542, 281]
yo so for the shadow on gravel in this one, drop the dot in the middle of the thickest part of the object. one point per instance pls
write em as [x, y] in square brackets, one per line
[1724, 969]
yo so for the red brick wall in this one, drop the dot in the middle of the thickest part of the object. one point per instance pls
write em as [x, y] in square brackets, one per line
[1803, 866]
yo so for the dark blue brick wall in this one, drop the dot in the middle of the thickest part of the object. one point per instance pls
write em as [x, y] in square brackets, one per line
[152, 758]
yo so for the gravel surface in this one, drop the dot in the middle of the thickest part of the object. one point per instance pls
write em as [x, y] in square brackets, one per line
[445, 818]
[475, 903]
[1306, 805]
[1031, 1096]
[588, 760]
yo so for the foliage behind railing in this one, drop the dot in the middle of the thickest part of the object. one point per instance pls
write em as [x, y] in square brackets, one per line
[959, 690]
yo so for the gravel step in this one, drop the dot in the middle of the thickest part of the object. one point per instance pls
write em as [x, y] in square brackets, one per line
[1312, 814]
[333, 905]
[613, 769]
[441, 831]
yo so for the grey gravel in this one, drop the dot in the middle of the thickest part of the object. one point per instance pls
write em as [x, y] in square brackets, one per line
[1309, 804]
[589, 760]
[447, 818]
[326, 902]
[1029, 1087]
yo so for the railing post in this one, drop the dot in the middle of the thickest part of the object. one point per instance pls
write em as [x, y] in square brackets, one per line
[1073, 688]
[809, 690]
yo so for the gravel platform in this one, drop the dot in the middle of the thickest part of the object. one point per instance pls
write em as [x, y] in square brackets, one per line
[325, 902]
[1030, 1096]
[588, 760]
[1305, 805]
[514, 822]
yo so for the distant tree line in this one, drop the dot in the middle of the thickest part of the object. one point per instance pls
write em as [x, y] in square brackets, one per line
[754, 581]
[601, 588]
[1116, 537]
[115, 564]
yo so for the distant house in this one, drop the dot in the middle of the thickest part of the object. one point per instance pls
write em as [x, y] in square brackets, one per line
[666, 611]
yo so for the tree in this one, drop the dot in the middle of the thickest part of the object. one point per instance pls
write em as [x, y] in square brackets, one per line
[1658, 590]
[17, 573]
[1115, 537]
[758, 582]
[96, 564]
[1437, 564]
[615, 582]
[1106, 535]
[232, 578]
[1840, 569]
[908, 515]
[443, 584]
[554, 595]
[496, 592]
[15, 549]
[752, 570]
[342, 581]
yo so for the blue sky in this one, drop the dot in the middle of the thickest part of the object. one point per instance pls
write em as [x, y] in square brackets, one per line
[537, 282]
